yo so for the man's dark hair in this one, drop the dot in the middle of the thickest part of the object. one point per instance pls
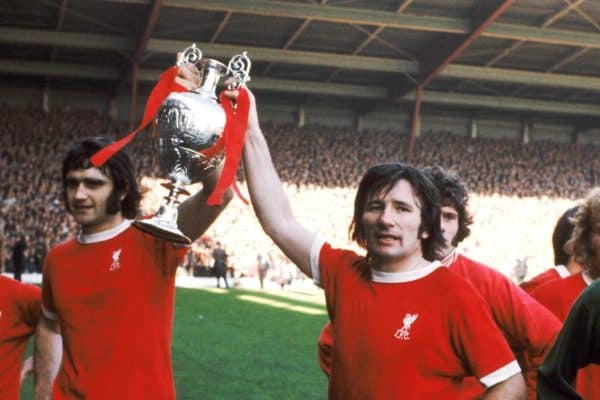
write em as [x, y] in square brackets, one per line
[562, 232]
[453, 193]
[119, 168]
[381, 179]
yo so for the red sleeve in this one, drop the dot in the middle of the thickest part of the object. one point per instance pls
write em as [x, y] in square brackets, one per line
[538, 280]
[478, 339]
[30, 306]
[333, 263]
[48, 306]
[529, 327]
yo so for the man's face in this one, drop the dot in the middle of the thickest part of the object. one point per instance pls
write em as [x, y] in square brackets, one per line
[449, 222]
[87, 192]
[391, 225]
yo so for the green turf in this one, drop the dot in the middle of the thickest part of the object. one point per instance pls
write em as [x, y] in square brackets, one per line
[226, 347]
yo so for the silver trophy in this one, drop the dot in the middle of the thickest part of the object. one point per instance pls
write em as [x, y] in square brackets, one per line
[188, 136]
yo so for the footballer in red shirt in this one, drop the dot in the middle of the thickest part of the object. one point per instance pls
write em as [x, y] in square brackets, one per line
[527, 326]
[19, 315]
[400, 330]
[560, 295]
[565, 265]
[107, 294]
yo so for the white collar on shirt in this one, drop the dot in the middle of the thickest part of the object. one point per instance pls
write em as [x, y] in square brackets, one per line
[408, 276]
[450, 258]
[587, 278]
[104, 235]
[562, 271]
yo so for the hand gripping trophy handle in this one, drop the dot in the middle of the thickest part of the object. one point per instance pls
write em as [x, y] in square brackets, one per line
[189, 129]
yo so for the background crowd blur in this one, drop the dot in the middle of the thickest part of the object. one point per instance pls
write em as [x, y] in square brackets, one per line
[517, 190]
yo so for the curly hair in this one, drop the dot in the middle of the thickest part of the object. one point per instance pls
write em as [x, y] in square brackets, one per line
[453, 193]
[580, 243]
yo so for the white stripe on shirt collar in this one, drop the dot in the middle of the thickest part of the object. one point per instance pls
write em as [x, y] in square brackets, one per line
[377, 276]
[587, 278]
[408, 276]
[104, 235]
[562, 271]
[450, 258]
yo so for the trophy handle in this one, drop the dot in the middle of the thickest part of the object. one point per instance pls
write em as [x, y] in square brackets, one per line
[190, 55]
[239, 68]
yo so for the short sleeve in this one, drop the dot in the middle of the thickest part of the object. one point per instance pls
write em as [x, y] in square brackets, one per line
[48, 305]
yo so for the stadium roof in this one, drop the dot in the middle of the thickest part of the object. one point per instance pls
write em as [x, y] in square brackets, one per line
[538, 56]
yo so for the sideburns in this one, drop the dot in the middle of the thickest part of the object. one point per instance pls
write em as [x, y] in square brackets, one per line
[113, 203]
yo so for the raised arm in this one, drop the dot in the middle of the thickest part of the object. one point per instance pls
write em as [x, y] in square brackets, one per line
[269, 200]
[47, 356]
[194, 215]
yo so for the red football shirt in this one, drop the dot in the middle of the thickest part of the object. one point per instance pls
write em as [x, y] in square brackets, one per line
[19, 315]
[529, 328]
[557, 272]
[113, 294]
[411, 335]
[559, 295]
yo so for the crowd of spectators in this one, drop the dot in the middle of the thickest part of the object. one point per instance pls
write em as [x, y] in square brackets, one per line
[518, 191]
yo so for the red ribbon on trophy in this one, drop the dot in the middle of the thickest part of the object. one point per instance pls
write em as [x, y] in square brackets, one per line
[165, 86]
[232, 137]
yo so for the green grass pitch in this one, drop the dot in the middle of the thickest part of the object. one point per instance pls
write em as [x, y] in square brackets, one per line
[244, 344]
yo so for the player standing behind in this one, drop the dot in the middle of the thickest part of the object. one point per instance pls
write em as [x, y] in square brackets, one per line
[559, 295]
[564, 264]
[397, 332]
[108, 294]
[19, 315]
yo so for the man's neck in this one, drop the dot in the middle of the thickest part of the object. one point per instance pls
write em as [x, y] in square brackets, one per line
[402, 265]
[110, 223]
[103, 235]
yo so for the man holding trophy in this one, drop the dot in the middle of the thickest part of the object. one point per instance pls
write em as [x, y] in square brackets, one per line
[108, 293]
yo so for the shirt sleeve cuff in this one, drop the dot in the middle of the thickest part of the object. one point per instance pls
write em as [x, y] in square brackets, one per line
[315, 251]
[501, 374]
[48, 314]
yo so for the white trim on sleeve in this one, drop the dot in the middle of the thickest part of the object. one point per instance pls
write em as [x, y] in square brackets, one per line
[48, 314]
[501, 374]
[315, 251]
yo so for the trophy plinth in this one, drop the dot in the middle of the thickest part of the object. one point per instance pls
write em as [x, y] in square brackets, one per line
[164, 223]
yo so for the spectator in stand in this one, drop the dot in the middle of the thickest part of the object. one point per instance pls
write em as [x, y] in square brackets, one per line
[18, 257]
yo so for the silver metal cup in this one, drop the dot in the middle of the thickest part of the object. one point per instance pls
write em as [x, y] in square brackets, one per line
[189, 129]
